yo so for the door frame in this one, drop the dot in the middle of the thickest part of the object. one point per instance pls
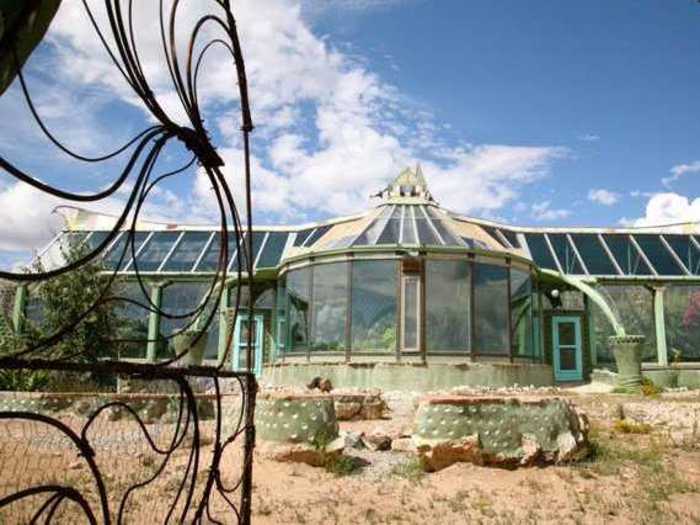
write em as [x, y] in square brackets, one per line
[259, 319]
[567, 375]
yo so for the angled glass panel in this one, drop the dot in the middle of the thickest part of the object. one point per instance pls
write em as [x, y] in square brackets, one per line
[155, 251]
[512, 238]
[96, 239]
[302, 236]
[521, 311]
[626, 254]
[593, 254]
[317, 234]
[425, 232]
[686, 250]
[258, 238]
[492, 233]
[565, 254]
[659, 257]
[390, 235]
[187, 252]
[444, 231]
[210, 261]
[540, 251]
[372, 232]
[272, 252]
[408, 225]
[124, 247]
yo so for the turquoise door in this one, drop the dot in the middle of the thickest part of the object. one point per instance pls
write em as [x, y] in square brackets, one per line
[566, 348]
[241, 332]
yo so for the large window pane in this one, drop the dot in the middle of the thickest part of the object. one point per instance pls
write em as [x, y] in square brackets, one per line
[298, 299]
[179, 299]
[330, 306]
[491, 309]
[187, 251]
[153, 254]
[682, 313]
[447, 305]
[374, 305]
[134, 319]
[521, 299]
[634, 307]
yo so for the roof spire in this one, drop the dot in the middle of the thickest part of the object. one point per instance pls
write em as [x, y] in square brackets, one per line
[408, 186]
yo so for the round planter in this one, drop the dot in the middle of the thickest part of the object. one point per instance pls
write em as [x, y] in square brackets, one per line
[627, 350]
[194, 348]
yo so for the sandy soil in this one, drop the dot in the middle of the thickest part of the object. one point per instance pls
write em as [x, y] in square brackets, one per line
[652, 476]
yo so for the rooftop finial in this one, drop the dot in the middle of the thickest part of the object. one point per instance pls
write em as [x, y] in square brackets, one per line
[409, 185]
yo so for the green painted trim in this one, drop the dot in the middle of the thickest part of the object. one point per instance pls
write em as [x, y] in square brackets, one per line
[154, 322]
[18, 311]
[660, 323]
[591, 292]
[567, 375]
[593, 349]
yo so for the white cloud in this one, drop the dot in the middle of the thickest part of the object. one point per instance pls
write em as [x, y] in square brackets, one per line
[544, 212]
[668, 208]
[604, 197]
[679, 170]
[589, 137]
[328, 130]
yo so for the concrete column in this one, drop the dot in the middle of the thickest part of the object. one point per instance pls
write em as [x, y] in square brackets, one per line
[154, 322]
[19, 308]
[660, 322]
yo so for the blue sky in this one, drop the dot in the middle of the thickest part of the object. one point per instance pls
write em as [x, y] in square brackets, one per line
[535, 113]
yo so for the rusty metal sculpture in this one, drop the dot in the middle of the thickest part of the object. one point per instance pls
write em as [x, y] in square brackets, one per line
[192, 498]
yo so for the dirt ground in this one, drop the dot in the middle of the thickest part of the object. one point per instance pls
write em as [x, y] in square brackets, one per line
[638, 473]
[644, 471]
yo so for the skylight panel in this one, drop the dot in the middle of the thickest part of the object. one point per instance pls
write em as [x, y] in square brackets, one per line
[390, 234]
[686, 250]
[210, 261]
[566, 254]
[272, 252]
[658, 254]
[187, 252]
[626, 255]
[123, 247]
[316, 235]
[540, 251]
[593, 254]
[151, 257]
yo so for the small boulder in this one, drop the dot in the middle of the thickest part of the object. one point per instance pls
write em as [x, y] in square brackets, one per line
[377, 441]
[353, 440]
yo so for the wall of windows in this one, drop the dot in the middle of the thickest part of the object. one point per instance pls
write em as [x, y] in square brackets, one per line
[465, 308]
[682, 315]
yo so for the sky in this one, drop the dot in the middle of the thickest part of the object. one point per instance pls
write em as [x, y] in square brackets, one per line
[532, 113]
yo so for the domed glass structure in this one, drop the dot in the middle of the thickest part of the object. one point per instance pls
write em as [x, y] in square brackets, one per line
[411, 283]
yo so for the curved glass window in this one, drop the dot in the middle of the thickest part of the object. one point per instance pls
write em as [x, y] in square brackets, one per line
[298, 302]
[521, 311]
[682, 313]
[491, 310]
[448, 291]
[374, 305]
[330, 306]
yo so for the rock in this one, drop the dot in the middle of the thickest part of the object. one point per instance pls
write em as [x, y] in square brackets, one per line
[353, 440]
[359, 405]
[347, 411]
[377, 441]
[445, 453]
[531, 450]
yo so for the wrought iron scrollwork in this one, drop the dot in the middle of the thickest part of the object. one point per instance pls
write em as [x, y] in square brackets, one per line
[203, 492]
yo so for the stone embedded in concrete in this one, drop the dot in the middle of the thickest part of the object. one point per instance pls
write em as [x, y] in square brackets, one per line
[506, 432]
[298, 427]
[377, 441]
